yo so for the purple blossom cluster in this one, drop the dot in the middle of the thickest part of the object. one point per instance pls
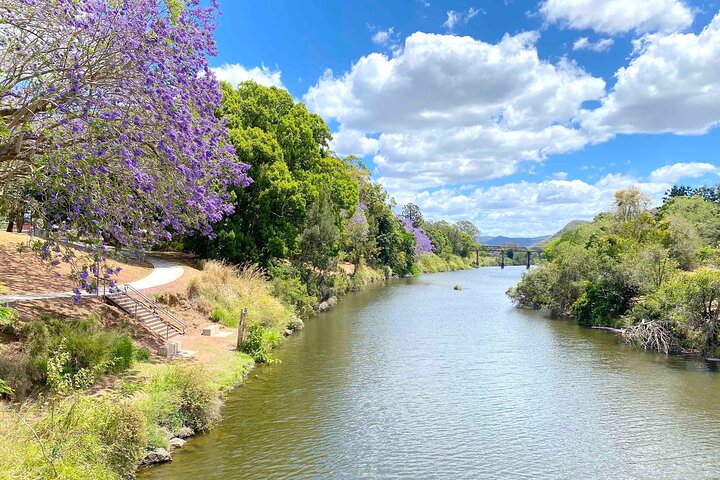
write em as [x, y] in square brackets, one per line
[110, 109]
[359, 222]
[423, 244]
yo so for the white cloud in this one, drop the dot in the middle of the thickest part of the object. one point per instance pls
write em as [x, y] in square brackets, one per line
[383, 37]
[457, 18]
[529, 208]
[352, 142]
[583, 43]
[236, 73]
[619, 16]
[677, 171]
[672, 85]
[454, 109]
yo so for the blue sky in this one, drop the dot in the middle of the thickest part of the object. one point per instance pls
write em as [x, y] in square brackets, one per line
[517, 115]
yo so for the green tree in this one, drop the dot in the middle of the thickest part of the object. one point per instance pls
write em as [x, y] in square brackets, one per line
[413, 212]
[287, 148]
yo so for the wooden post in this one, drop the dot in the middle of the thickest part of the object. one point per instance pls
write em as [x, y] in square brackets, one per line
[477, 257]
[528, 263]
[241, 328]
[502, 258]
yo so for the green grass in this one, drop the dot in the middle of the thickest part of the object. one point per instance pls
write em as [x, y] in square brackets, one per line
[432, 263]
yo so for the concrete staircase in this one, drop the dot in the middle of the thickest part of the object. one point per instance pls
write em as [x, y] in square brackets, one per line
[165, 326]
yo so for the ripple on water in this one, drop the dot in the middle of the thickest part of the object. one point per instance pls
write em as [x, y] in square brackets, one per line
[417, 380]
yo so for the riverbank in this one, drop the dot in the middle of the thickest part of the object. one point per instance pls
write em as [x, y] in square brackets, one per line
[163, 402]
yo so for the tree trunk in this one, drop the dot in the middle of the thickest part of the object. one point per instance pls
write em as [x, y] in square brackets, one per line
[20, 219]
[10, 226]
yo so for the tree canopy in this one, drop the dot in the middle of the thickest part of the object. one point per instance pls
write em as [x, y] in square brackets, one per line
[653, 272]
[108, 129]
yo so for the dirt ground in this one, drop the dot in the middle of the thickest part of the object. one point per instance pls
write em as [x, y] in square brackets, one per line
[25, 272]
[211, 351]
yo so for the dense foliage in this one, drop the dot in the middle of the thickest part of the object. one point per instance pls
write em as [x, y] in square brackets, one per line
[309, 210]
[652, 272]
[108, 132]
[87, 344]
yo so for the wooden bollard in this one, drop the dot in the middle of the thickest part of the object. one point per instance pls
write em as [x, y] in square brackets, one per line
[241, 328]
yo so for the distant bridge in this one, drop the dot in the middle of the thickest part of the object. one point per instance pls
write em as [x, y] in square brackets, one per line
[502, 249]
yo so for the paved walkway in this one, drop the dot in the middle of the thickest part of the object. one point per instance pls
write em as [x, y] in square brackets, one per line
[164, 272]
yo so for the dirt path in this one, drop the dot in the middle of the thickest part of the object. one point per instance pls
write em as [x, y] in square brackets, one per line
[164, 271]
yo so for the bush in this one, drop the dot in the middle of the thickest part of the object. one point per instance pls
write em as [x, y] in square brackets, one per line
[260, 340]
[7, 320]
[289, 287]
[82, 438]
[90, 347]
[603, 302]
[365, 275]
[295, 324]
[142, 354]
[431, 263]
[182, 396]
[123, 433]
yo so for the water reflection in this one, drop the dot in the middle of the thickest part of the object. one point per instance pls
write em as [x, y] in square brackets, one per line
[418, 380]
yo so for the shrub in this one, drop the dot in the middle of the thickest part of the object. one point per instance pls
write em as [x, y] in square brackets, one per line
[82, 437]
[123, 433]
[295, 324]
[603, 302]
[292, 290]
[7, 320]
[142, 354]
[365, 275]
[89, 347]
[260, 340]
[182, 395]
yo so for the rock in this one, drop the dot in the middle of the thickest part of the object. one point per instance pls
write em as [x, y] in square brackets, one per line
[185, 432]
[295, 324]
[129, 476]
[288, 332]
[177, 443]
[327, 304]
[159, 455]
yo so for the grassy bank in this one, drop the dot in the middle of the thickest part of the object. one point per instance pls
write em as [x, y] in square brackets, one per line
[70, 428]
[432, 263]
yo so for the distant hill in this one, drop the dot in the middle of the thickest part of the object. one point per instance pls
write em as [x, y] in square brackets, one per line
[570, 226]
[521, 241]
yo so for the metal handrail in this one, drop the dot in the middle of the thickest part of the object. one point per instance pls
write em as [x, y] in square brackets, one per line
[179, 325]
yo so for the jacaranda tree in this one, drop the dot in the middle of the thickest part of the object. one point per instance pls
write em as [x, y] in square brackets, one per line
[107, 118]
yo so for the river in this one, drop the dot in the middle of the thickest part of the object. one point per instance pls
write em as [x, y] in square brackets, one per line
[418, 381]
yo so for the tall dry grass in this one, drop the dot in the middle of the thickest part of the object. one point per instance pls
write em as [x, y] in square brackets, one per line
[223, 290]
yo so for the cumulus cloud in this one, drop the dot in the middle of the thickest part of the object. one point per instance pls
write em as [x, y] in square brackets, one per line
[529, 208]
[446, 112]
[236, 73]
[677, 171]
[619, 16]
[352, 142]
[454, 109]
[457, 18]
[583, 43]
[672, 85]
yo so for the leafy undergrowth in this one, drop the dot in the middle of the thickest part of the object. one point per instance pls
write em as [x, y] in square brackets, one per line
[77, 436]
[432, 263]
[89, 347]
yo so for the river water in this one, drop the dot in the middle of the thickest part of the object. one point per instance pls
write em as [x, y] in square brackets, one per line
[418, 381]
